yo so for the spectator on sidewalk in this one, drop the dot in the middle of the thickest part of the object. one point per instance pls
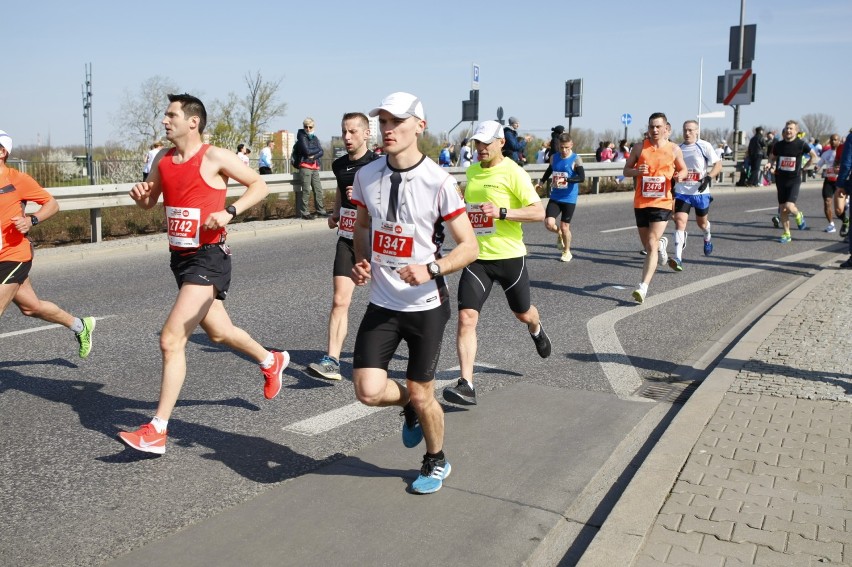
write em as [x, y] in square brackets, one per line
[515, 144]
[310, 152]
[264, 162]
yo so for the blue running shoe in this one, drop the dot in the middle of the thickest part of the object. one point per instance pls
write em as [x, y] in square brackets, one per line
[785, 238]
[432, 475]
[412, 433]
[708, 247]
[800, 221]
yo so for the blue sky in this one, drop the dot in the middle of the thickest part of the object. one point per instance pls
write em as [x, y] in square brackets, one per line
[334, 57]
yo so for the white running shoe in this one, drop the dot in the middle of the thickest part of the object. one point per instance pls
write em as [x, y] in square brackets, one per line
[830, 228]
[566, 256]
[663, 256]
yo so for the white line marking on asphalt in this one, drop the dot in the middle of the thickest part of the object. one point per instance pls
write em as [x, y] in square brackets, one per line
[763, 209]
[335, 418]
[43, 328]
[620, 373]
[619, 229]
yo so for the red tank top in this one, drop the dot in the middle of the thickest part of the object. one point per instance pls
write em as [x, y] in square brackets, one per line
[655, 189]
[188, 201]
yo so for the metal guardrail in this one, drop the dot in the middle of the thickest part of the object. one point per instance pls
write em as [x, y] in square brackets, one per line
[96, 197]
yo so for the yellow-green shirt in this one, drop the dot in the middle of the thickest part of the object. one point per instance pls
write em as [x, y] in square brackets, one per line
[506, 185]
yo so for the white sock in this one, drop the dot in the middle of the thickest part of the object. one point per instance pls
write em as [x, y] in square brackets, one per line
[268, 361]
[76, 325]
[707, 233]
[679, 240]
[643, 287]
[160, 424]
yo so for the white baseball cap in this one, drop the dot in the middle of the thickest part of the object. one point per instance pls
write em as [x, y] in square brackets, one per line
[488, 131]
[401, 105]
[6, 141]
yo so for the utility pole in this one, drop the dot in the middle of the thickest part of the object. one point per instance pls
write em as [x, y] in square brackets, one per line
[94, 214]
[739, 66]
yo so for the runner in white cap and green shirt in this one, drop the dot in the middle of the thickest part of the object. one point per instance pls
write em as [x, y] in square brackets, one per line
[500, 196]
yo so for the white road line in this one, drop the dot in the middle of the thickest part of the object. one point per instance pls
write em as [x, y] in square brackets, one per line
[43, 328]
[761, 210]
[620, 373]
[335, 418]
[619, 229]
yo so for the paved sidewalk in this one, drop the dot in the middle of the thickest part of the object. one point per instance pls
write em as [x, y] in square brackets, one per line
[768, 477]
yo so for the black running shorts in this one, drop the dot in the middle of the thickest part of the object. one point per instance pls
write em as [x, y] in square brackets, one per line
[478, 278]
[788, 189]
[555, 208]
[382, 330]
[645, 216]
[208, 265]
[344, 258]
[14, 272]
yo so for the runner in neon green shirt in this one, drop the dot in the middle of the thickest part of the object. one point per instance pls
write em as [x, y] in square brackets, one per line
[499, 197]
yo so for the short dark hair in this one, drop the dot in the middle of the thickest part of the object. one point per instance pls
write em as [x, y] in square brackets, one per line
[191, 106]
[239, 147]
[658, 115]
[565, 137]
[356, 115]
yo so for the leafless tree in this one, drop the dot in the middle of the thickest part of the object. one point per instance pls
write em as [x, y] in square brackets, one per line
[818, 125]
[261, 104]
[141, 113]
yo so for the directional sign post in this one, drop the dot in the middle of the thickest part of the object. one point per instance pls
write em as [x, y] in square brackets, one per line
[474, 85]
[626, 119]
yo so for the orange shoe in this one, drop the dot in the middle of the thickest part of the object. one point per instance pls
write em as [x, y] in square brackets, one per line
[272, 375]
[145, 439]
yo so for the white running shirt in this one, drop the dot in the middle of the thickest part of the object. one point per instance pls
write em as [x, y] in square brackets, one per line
[428, 196]
[700, 158]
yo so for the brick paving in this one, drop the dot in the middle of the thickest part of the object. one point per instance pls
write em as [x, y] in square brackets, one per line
[769, 481]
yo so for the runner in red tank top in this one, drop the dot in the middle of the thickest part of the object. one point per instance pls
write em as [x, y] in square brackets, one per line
[193, 178]
[657, 164]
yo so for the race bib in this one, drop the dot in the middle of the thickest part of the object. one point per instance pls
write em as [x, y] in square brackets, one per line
[560, 180]
[346, 224]
[184, 226]
[786, 163]
[831, 173]
[482, 224]
[393, 243]
[693, 175]
[653, 186]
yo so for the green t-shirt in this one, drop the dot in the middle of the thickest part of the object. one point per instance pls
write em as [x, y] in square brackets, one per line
[508, 186]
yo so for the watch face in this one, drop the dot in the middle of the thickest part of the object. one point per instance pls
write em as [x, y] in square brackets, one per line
[434, 269]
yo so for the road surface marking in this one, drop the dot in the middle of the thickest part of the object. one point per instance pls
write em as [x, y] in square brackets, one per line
[622, 376]
[338, 417]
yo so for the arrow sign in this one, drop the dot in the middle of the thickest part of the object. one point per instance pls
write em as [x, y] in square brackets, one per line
[737, 87]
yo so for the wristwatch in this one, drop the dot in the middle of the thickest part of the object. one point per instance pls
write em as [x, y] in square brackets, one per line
[503, 212]
[231, 210]
[434, 269]
[34, 219]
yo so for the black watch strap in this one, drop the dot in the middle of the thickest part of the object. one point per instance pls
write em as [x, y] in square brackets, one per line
[503, 212]
[34, 219]
[231, 210]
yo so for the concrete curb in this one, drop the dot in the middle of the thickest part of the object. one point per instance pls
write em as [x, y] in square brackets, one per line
[622, 535]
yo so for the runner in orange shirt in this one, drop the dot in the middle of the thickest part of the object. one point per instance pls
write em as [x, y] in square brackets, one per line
[16, 252]
[656, 163]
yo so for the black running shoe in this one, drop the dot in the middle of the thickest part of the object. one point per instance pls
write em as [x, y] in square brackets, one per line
[542, 342]
[412, 433]
[776, 221]
[847, 264]
[462, 393]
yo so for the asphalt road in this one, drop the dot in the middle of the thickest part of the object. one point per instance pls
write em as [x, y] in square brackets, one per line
[71, 494]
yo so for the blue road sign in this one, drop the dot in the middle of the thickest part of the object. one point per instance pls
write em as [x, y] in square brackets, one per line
[626, 119]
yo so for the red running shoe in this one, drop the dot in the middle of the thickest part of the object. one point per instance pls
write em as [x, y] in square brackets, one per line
[145, 439]
[272, 375]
